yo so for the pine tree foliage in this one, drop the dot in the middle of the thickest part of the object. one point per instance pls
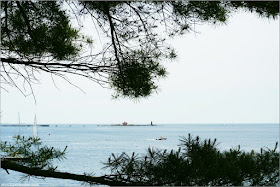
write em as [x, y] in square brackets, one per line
[29, 152]
[197, 163]
[39, 36]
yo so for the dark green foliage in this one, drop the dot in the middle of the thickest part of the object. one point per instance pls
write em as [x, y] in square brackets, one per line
[30, 153]
[268, 9]
[37, 29]
[199, 11]
[37, 35]
[136, 75]
[198, 163]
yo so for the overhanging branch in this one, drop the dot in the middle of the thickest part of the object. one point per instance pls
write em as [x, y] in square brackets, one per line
[74, 66]
[5, 164]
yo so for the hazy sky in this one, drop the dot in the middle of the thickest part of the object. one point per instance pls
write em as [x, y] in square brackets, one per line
[224, 74]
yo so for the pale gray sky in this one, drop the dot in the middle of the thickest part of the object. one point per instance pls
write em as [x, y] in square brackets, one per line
[225, 74]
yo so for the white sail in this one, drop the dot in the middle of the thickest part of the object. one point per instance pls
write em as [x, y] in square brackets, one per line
[35, 128]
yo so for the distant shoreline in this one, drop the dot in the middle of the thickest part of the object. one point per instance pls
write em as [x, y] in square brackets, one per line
[23, 125]
[120, 125]
[95, 124]
[30, 125]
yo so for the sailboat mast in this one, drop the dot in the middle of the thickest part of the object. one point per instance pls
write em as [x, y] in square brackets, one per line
[18, 119]
[18, 124]
[35, 128]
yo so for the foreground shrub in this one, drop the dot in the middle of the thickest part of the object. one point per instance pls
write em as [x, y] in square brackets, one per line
[197, 162]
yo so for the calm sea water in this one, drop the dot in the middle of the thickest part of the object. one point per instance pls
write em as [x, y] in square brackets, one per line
[90, 145]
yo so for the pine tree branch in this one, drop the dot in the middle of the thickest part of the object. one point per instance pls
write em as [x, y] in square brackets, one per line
[5, 164]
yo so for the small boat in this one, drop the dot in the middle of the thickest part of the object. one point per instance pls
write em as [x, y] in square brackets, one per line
[161, 138]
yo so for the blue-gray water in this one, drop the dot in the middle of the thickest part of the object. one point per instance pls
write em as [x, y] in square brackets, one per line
[90, 145]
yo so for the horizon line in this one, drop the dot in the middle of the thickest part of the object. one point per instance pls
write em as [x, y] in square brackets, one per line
[142, 123]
